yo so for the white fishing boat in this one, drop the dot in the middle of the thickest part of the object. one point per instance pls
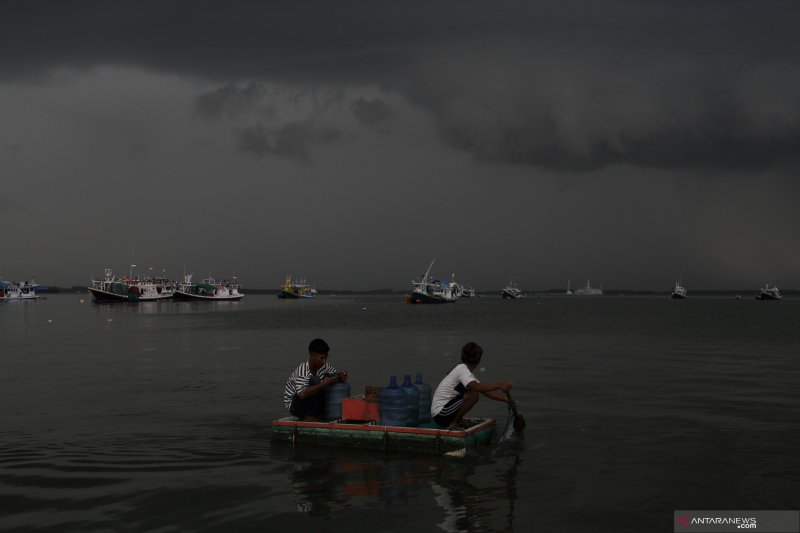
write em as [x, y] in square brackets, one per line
[131, 288]
[588, 290]
[467, 292]
[512, 292]
[429, 290]
[770, 293]
[210, 289]
[299, 288]
[16, 292]
[678, 291]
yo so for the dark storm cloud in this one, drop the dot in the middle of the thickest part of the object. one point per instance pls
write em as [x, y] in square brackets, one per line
[229, 100]
[590, 112]
[294, 140]
[570, 85]
[371, 112]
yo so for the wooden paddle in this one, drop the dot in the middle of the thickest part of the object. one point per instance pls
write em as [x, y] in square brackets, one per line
[519, 420]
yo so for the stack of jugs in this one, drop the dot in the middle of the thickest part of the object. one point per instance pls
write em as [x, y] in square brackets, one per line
[424, 399]
[412, 402]
[393, 404]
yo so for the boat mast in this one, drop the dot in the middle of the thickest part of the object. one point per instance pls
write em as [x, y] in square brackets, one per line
[425, 277]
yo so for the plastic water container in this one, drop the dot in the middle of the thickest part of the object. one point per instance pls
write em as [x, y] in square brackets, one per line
[392, 404]
[425, 396]
[334, 394]
[412, 402]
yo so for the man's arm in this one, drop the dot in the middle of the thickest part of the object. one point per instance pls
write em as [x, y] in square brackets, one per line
[311, 390]
[486, 388]
[494, 395]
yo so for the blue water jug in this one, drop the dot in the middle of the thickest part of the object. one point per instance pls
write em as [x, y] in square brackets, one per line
[412, 402]
[334, 394]
[392, 405]
[425, 396]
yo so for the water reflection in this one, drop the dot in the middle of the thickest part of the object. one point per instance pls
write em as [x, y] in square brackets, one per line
[476, 493]
[166, 307]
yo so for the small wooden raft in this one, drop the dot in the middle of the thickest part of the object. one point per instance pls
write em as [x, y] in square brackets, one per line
[425, 439]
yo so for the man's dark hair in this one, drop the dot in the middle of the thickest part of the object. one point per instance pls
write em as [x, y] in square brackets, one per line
[471, 353]
[318, 346]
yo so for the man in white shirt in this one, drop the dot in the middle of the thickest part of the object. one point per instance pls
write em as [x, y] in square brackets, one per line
[458, 391]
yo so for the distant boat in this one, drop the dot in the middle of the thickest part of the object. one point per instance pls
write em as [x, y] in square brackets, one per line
[467, 292]
[678, 291]
[770, 293]
[210, 289]
[17, 292]
[130, 288]
[296, 289]
[429, 290]
[512, 292]
[569, 290]
[588, 290]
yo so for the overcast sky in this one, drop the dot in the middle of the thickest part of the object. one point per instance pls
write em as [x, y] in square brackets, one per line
[627, 142]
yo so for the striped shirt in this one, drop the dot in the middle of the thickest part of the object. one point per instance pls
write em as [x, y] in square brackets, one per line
[298, 381]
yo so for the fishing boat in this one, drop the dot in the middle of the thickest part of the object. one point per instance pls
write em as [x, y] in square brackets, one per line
[678, 291]
[467, 292]
[210, 289]
[131, 288]
[296, 289]
[588, 290]
[429, 290]
[426, 438]
[512, 292]
[17, 292]
[770, 293]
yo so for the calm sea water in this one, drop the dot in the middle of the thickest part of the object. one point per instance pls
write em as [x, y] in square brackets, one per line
[156, 417]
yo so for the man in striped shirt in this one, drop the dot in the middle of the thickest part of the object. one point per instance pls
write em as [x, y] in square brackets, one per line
[304, 393]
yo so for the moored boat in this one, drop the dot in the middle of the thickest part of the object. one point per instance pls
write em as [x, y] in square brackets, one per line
[427, 438]
[467, 292]
[512, 292]
[770, 293]
[16, 292]
[296, 289]
[588, 290]
[210, 289]
[429, 290]
[131, 288]
[678, 291]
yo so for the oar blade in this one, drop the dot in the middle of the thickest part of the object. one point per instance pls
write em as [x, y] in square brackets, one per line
[519, 423]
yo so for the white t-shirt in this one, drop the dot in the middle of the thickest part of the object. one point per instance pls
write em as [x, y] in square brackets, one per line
[452, 385]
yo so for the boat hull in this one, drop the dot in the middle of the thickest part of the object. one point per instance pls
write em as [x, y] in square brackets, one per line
[678, 296]
[767, 296]
[510, 296]
[105, 296]
[422, 298]
[293, 295]
[425, 439]
[197, 297]
[16, 295]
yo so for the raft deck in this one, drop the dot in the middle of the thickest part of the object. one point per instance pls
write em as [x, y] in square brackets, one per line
[426, 438]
